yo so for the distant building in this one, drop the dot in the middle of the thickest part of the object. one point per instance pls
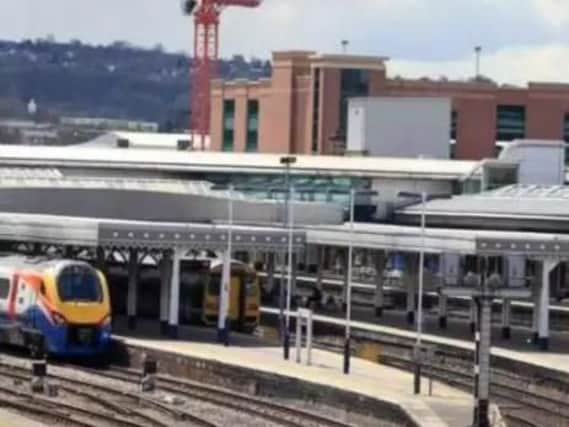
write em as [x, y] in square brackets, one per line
[27, 132]
[303, 107]
[104, 124]
[148, 140]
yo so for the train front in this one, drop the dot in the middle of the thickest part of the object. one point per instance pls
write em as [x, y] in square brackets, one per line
[83, 312]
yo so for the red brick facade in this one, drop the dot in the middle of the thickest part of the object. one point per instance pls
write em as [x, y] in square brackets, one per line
[299, 107]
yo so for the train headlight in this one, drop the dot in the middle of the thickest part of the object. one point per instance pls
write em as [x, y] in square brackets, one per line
[107, 320]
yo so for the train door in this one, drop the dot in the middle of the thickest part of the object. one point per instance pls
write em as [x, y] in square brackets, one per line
[194, 278]
[235, 306]
[24, 300]
[5, 282]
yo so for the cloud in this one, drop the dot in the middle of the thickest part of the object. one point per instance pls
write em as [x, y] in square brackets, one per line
[555, 12]
[430, 37]
[516, 65]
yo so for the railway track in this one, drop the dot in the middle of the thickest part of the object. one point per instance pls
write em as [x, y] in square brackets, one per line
[107, 403]
[111, 397]
[253, 406]
[522, 406]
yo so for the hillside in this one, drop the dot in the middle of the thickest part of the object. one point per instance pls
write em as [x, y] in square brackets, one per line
[117, 81]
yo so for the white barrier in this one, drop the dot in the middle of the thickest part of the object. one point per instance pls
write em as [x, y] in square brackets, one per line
[304, 318]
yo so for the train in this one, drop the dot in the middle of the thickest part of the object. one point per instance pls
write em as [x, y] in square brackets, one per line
[54, 306]
[200, 279]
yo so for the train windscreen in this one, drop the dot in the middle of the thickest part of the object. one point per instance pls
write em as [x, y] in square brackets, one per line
[79, 283]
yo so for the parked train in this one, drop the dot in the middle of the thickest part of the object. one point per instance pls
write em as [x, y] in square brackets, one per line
[200, 280]
[58, 307]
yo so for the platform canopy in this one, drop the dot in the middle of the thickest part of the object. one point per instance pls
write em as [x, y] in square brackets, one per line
[514, 207]
[442, 240]
[97, 232]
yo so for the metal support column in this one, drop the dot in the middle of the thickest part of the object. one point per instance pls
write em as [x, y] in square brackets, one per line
[165, 279]
[100, 261]
[506, 318]
[319, 274]
[379, 261]
[174, 314]
[482, 361]
[443, 311]
[270, 273]
[543, 324]
[411, 292]
[473, 317]
[132, 287]
[536, 293]
[225, 291]
[294, 268]
[345, 265]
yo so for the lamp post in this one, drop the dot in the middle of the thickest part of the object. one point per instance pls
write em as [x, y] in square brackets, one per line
[424, 197]
[477, 51]
[287, 162]
[347, 339]
[348, 303]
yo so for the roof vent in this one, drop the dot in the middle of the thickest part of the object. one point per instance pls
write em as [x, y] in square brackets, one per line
[123, 143]
[183, 144]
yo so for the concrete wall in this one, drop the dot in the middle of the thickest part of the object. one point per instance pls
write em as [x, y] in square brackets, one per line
[400, 127]
[156, 206]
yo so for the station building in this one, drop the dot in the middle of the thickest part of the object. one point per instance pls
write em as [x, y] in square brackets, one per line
[303, 107]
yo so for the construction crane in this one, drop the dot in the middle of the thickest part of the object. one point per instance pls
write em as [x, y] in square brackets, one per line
[206, 53]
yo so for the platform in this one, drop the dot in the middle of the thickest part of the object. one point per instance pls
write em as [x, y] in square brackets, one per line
[447, 406]
[457, 334]
[12, 419]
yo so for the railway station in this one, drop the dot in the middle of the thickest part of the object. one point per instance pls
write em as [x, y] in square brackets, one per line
[324, 243]
[342, 245]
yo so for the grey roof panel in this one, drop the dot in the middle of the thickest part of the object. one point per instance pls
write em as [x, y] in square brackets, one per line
[518, 201]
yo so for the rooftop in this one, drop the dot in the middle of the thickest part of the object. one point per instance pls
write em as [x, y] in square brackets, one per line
[91, 155]
[532, 207]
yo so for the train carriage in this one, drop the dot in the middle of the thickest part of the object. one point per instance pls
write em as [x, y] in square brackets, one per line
[200, 279]
[60, 307]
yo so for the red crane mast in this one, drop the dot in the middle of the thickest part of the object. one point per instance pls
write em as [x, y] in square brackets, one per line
[206, 53]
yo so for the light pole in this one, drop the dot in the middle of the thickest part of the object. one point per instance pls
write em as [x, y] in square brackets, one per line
[287, 162]
[477, 51]
[347, 339]
[348, 303]
[289, 273]
[424, 197]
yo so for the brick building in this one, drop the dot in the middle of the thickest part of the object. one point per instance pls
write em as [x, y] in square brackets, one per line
[302, 108]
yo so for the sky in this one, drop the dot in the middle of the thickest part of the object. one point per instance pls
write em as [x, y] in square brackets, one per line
[521, 40]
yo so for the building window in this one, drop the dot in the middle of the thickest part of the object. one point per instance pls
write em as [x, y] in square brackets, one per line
[252, 126]
[316, 110]
[354, 84]
[566, 128]
[452, 150]
[228, 124]
[510, 122]
[453, 124]
[566, 136]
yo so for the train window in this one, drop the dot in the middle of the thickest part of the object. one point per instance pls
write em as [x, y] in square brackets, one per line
[4, 288]
[214, 285]
[251, 288]
[79, 283]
